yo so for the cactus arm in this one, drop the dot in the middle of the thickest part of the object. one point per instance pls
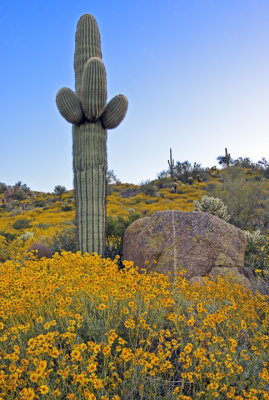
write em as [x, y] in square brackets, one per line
[69, 106]
[87, 45]
[93, 89]
[115, 112]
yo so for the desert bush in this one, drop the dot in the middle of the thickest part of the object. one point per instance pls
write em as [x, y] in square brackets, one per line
[3, 187]
[129, 192]
[8, 236]
[111, 182]
[111, 178]
[15, 211]
[257, 254]
[162, 179]
[18, 192]
[115, 228]
[39, 203]
[41, 225]
[247, 200]
[148, 188]
[113, 247]
[183, 171]
[22, 223]
[149, 201]
[64, 239]
[263, 166]
[213, 206]
[244, 162]
[67, 208]
[40, 250]
[75, 327]
[60, 189]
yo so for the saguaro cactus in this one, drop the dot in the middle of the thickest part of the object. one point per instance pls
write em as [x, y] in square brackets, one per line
[171, 165]
[87, 110]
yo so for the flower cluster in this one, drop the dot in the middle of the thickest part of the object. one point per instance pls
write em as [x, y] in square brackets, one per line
[76, 327]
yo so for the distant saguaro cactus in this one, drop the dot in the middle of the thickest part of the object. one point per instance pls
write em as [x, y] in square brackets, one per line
[87, 110]
[171, 165]
[225, 160]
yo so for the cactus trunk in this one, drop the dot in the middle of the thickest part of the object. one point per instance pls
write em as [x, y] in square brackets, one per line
[90, 164]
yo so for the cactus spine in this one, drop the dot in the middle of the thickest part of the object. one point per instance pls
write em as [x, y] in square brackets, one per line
[87, 110]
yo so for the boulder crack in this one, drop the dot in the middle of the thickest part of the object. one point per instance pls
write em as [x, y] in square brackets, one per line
[174, 244]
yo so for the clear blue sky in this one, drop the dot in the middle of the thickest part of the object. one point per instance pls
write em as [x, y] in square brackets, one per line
[196, 74]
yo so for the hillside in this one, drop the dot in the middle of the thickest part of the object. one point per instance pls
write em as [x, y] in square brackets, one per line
[28, 217]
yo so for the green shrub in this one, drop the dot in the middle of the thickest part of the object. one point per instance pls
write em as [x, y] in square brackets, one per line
[111, 178]
[19, 194]
[20, 191]
[22, 223]
[67, 208]
[39, 203]
[163, 179]
[257, 254]
[183, 171]
[115, 228]
[148, 188]
[3, 187]
[9, 236]
[60, 189]
[212, 206]
[180, 191]
[246, 198]
[113, 247]
[41, 225]
[149, 201]
[64, 240]
[129, 192]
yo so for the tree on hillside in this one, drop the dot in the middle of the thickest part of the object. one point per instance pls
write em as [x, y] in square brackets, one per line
[111, 177]
[59, 189]
[263, 165]
[3, 187]
[244, 162]
[19, 191]
[185, 170]
[246, 198]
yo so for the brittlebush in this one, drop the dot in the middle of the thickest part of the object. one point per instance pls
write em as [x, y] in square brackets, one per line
[77, 327]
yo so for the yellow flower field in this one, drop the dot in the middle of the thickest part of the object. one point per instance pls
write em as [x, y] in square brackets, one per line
[50, 220]
[76, 327]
